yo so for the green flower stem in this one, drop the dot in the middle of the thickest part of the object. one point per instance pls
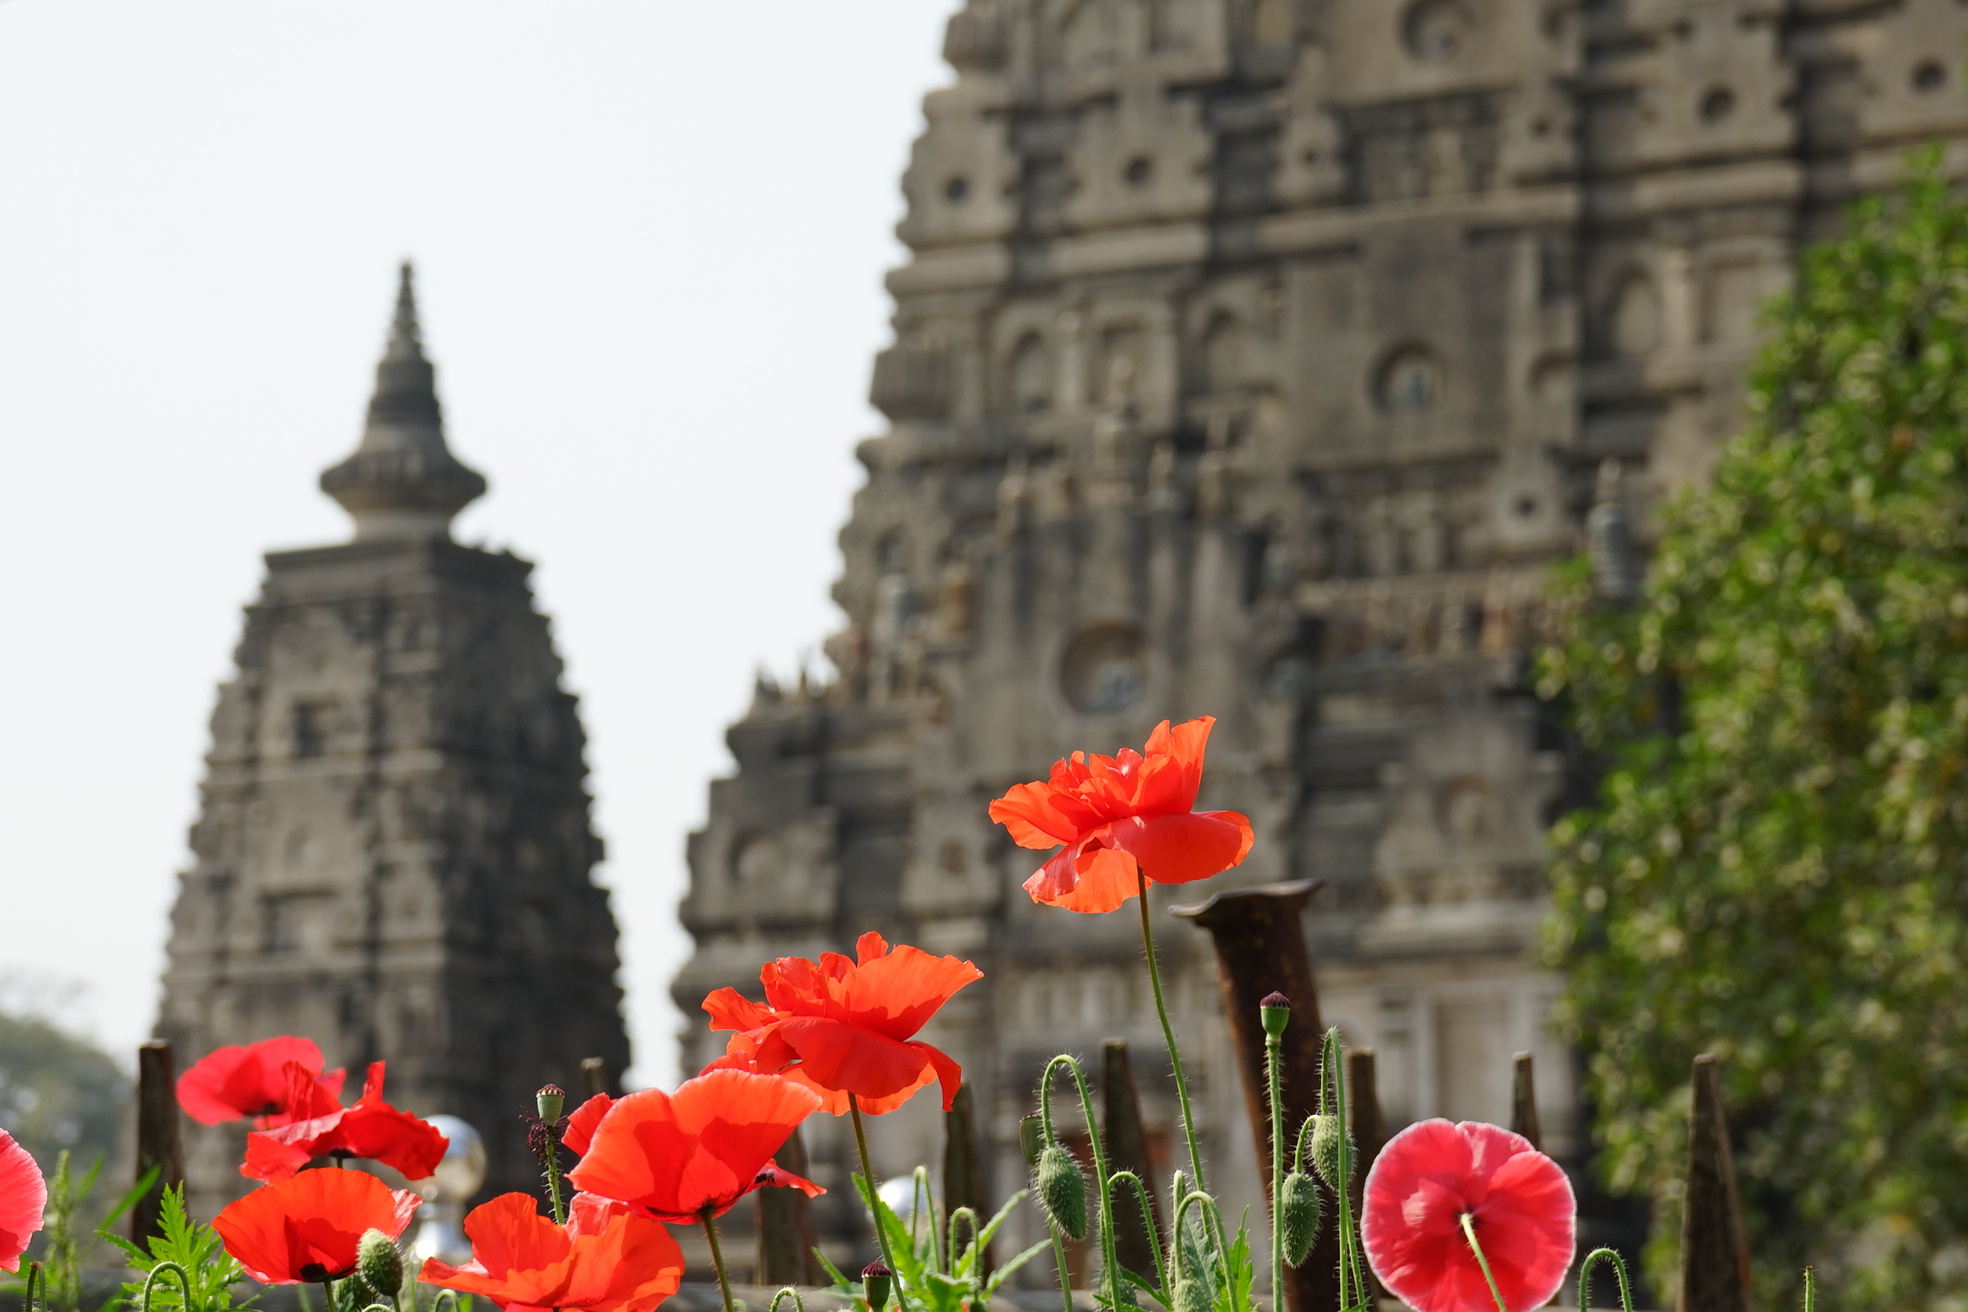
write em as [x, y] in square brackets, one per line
[1352, 1275]
[1274, 1045]
[554, 1199]
[717, 1257]
[184, 1286]
[1108, 1252]
[1469, 1233]
[1168, 1036]
[36, 1278]
[1059, 1261]
[1599, 1255]
[868, 1174]
[1147, 1220]
[1810, 1289]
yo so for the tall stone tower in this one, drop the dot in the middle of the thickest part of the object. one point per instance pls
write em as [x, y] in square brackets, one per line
[393, 854]
[1256, 358]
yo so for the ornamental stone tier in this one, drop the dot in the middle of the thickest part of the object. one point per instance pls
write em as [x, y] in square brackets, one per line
[393, 853]
[1257, 358]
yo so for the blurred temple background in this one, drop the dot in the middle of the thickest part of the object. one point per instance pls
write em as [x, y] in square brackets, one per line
[1253, 358]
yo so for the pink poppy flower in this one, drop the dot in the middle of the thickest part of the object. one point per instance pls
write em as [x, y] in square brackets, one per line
[23, 1200]
[1520, 1204]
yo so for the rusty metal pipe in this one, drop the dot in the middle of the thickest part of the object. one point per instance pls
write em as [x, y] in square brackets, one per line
[1260, 947]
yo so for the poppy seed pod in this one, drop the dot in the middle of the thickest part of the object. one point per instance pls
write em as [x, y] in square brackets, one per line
[1062, 1191]
[1332, 1151]
[876, 1279]
[1300, 1210]
[1190, 1296]
[1275, 1011]
[379, 1263]
[549, 1100]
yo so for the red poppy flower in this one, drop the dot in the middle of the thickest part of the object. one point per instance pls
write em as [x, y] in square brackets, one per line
[372, 1129]
[307, 1227]
[669, 1156]
[843, 1026]
[606, 1258]
[1119, 815]
[581, 1125]
[23, 1201]
[1520, 1203]
[228, 1084]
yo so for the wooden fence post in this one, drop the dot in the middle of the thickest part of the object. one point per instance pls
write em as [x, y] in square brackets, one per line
[963, 1162]
[786, 1236]
[1524, 1102]
[1127, 1150]
[159, 1144]
[594, 1076]
[1714, 1249]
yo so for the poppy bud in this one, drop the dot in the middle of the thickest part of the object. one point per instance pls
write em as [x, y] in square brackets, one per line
[1332, 1151]
[550, 1099]
[1062, 1191]
[875, 1281]
[1300, 1210]
[379, 1263]
[1275, 1011]
[1190, 1296]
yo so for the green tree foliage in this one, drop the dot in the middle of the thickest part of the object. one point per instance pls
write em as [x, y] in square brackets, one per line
[58, 1093]
[1776, 865]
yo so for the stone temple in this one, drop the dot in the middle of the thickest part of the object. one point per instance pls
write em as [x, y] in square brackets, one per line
[393, 853]
[1258, 358]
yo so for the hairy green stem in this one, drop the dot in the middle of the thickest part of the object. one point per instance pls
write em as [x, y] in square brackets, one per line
[1469, 1233]
[554, 1198]
[1599, 1255]
[874, 1194]
[184, 1285]
[1352, 1273]
[1147, 1206]
[1108, 1252]
[1274, 1045]
[1168, 1035]
[717, 1257]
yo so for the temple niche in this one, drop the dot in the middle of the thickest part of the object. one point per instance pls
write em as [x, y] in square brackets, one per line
[393, 854]
[1259, 360]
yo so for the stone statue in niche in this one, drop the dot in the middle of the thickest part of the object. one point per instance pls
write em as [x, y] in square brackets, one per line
[1115, 431]
[954, 603]
[1014, 497]
[1163, 492]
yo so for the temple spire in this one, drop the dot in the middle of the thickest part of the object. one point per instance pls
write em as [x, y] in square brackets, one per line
[403, 481]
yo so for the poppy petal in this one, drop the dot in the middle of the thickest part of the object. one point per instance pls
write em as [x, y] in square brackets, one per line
[581, 1125]
[1089, 881]
[895, 994]
[23, 1201]
[1183, 847]
[307, 1228]
[731, 1010]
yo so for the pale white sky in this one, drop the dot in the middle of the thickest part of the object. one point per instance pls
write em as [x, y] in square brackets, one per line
[650, 236]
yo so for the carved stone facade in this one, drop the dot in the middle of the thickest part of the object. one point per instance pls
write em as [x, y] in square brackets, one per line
[393, 851]
[1256, 358]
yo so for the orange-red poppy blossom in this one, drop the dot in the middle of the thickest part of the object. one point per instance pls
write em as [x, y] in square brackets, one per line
[23, 1201]
[306, 1228]
[673, 1156]
[1122, 817]
[321, 1127]
[845, 1027]
[231, 1083]
[605, 1259]
[581, 1124]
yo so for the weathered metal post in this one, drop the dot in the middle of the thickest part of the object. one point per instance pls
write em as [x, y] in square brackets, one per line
[1524, 1102]
[1260, 947]
[1714, 1249]
[786, 1236]
[159, 1144]
[1127, 1150]
[963, 1161]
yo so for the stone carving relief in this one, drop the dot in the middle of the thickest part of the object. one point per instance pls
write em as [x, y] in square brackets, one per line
[1714, 81]
[962, 173]
[1143, 154]
[1105, 669]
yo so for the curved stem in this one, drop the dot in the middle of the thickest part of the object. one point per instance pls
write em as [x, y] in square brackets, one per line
[1147, 1220]
[1168, 1035]
[874, 1195]
[1598, 1255]
[1274, 1045]
[798, 1303]
[717, 1258]
[184, 1285]
[1216, 1222]
[1469, 1232]
[969, 1217]
[1108, 1252]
